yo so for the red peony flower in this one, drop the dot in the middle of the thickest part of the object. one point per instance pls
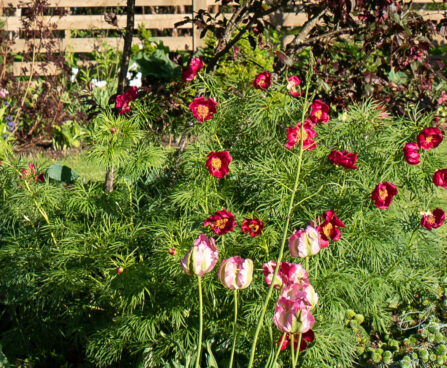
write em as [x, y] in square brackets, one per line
[319, 112]
[440, 178]
[122, 101]
[345, 159]
[430, 138]
[306, 339]
[329, 229]
[221, 222]
[411, 153]
[442, 98]
[263, 81]
[193, 68]
[433, 220]
[203, 109]
[292, 86]
[294, 136]
[254, 226]
[383, 195]
[218, 162]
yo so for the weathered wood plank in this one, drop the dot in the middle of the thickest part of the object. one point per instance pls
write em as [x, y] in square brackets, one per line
[90, 22]
[101, 3]
[92, 44]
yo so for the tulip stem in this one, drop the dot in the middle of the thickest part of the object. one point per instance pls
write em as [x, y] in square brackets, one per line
[298, 350]
[223, 244]
[284, 238]
[278, 350]
[234, 329]
[292, 350]
[199, 347]
[404, 253]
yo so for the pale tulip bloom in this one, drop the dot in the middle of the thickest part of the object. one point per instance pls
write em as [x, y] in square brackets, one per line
[304, 243]
[201, 258]
[236, 273]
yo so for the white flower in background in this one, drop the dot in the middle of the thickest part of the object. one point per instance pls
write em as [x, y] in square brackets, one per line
[97, 83]
[129, 75]
[137, 81]
[133, 67]
[141, 46]
[74, 73]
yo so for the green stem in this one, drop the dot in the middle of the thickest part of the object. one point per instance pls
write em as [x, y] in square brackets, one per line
[298, 350]
[284, 238]
[234, 330]
[199, 347]
[292, 350]
[223, 244]
[130, 201]
[404, 253]
[218, 141]
[278, 350]
[307, 264]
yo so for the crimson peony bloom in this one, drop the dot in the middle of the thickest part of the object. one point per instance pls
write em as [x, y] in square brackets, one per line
[203, 109]
[236, 273]
[288, 273]
[383, 195]
[345, 159]
[430, 138]
[218, 162]
[433, 220]
[440, 178]
[292, 86]
[329, 229]
[294, 136]
[319, 112]
[263, 81]
[201, 258]
[221, 222]
[253, 226]
[411, 153]
[306, 339]
[122, 102]
[193, 68]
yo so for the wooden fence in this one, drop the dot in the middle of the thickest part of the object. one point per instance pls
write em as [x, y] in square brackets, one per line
[158, 15]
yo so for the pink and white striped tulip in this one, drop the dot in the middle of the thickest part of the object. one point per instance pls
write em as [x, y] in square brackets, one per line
[303, 293]
[288, 273]
[304, 243]
[201, 258]
[236, 273]
[291, 318]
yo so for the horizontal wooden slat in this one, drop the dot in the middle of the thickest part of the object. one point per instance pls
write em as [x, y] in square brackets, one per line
[89, 22]
[100, 3]
[92, 44]
[39, 69]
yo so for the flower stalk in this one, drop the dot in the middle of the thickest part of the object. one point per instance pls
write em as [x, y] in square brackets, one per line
[199, 346]
[234, 329]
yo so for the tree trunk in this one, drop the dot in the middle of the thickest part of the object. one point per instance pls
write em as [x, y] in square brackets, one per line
[110, 179]
[127, 45]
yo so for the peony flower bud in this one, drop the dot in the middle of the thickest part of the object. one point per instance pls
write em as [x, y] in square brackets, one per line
[236, 273]
[411, 153]
[263, 81]
[440, 178]
[201, 258]
[119, 270]
[304, 243]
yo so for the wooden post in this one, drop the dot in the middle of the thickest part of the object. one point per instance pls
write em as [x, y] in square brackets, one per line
[196, 40]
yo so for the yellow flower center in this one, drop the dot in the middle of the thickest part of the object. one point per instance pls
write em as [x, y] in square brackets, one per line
[203, 111]
[383, 193]
[216, 163]
[431, 219]
[253, 227]
[298, 134]
[221, 223]
[327, 229]
[429, 138]
[318, 114]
